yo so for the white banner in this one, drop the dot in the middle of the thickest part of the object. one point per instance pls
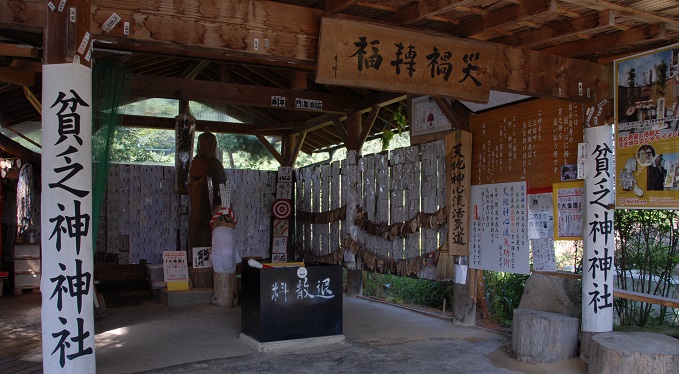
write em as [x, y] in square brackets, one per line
[597, 262]
[67, 261]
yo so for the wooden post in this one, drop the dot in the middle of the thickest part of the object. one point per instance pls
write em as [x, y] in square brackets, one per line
[354, 129]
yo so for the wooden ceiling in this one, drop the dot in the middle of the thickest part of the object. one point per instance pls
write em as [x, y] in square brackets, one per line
[205, 51]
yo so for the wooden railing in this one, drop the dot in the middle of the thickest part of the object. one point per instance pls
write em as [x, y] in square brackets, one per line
[624, 294]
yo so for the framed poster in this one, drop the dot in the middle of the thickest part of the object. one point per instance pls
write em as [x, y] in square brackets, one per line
[647, 129]
[175, 267]
[427, 117]
[568, 207]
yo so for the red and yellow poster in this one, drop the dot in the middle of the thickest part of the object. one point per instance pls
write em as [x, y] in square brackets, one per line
[647, 129]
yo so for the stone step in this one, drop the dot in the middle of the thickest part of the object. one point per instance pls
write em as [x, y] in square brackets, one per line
[186, 297]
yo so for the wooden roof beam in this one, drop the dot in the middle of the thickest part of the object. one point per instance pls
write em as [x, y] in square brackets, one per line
[18, 50]
[16, 76]
[541, 74]
[237, 94]
[282, 32]
[651, 18]
[296, 30]
[195, 68]
[512, 14]
[215, 126]
[272, 150]
[591, 24]
[624, 39]
[420, 10]
[336, 6]
[10, 146]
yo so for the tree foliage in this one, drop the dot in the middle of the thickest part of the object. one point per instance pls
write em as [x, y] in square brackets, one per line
[647, 245]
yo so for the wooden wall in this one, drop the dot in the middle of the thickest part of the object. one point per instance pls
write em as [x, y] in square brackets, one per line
[390, 188]
[527, 141]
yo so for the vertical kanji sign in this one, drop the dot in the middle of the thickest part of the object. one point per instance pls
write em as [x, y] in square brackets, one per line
[597, 261]
[67, 264]
[458, 158]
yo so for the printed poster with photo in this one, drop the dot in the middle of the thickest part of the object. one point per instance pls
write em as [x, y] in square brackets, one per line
[647, 129]
[568, 201]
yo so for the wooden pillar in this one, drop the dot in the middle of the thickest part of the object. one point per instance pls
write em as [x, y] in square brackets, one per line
[67, 317]
[63, 38]
[354, 129]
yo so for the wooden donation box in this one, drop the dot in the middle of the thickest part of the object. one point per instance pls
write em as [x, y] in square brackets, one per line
[296, 302]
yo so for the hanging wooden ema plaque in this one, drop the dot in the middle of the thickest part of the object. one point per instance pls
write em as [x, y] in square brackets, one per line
[353, 53]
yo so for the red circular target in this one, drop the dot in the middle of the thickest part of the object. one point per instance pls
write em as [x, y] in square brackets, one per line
[282, 209]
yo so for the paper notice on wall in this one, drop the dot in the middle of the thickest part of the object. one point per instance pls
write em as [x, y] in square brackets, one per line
[540, 216]
[175, 267]
[498, 225]
[544, 258]
[461, 274]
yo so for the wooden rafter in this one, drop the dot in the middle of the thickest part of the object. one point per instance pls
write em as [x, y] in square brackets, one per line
[367, 126]
[237, 94]
[299, 142]
[195, 68]
[272, 150]
[341, 131]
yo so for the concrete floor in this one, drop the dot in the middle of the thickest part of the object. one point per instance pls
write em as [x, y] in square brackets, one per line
[154, 338]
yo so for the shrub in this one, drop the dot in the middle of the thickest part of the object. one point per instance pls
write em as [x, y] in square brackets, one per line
[503, 294]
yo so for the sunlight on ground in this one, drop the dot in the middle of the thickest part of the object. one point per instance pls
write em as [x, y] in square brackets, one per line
[111, 338]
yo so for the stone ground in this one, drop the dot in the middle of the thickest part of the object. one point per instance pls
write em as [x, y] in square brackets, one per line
[384, 339]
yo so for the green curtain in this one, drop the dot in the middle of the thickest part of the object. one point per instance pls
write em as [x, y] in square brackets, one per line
[110, 90]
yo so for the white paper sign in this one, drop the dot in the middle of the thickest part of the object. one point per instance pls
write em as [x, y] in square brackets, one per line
[499, 232]
[66, 209]
[175, 267]
[544, 258]
[461, 274]
[284, 191]
[540, 216]
[201, 257]
[285, 174]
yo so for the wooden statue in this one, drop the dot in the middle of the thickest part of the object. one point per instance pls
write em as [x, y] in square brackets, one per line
[203, 166]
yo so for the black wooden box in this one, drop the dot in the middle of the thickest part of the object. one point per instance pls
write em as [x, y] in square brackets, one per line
[283, 303]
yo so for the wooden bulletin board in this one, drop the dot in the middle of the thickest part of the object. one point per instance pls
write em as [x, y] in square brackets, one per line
[529, 141]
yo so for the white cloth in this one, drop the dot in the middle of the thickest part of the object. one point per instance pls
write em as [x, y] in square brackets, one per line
[224, 255]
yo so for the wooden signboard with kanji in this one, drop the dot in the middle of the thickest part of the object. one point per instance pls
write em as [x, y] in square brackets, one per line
[535, 141]
[359, 54]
